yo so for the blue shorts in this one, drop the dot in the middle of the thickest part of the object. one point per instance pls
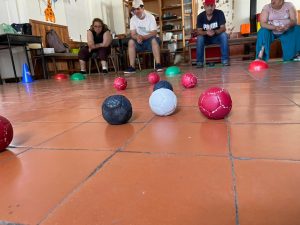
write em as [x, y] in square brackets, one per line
[146, 45]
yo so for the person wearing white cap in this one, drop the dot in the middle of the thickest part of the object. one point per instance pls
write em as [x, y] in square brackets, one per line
[143, 30]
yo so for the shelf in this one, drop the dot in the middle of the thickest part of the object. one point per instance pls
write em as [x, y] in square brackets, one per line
[172, 30]
[177, 41]
[171, 7]
[171, 20]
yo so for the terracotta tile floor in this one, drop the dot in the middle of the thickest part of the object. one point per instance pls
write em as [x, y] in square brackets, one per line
[67, 166]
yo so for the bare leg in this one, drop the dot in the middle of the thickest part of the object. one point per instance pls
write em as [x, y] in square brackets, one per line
[261, 52]
[155, 50]
[131, 53]
[82, 65]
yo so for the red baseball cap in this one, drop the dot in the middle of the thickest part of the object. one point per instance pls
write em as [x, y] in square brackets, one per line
[209, 2]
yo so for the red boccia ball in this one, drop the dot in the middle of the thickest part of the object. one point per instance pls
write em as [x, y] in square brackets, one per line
[6, 133]
[188, 80]
[153, 77]
[120, 83]
[215, 103]
[60, 76]
[257, 66]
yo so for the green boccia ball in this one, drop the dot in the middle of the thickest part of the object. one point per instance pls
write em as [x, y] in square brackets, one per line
[77, 76]
[172, 71]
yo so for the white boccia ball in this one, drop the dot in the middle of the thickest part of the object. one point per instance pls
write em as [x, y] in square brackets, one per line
[163, 102]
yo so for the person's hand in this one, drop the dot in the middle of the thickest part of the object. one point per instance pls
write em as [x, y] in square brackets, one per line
[210, 33]
[139, 39]
[280, 28]
[286, 27]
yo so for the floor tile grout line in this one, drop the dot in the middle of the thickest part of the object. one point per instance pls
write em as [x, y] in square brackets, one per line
[78, 187]
[237, 219]
[175, 154]
[286, 97]
[136, 151]
[136, 133]
[263, 123]
[266, 159]
[67, 130]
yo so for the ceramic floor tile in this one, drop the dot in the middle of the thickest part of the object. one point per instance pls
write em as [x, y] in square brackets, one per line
[257, 100]
[38, 180]
[32, 134]
[30, 115]
[186, 138]
[136, 189]
[265, 114]
[294, 97]
[188, 101]
[139, 115]
[278, 141]
[184, 114]
[268, 192]
[11, 152]
[72, 115]
[170, 170]
[94, 136]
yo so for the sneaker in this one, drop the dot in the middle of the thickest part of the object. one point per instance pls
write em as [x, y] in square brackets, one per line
[104, 71]
[82, 71]
[225, 63]
[297, 58]
[158, 67]
[130, 69]
[199, 65]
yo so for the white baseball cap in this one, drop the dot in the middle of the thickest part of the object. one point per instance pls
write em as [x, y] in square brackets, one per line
[137, 3]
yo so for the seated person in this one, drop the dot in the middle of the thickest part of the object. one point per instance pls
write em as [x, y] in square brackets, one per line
[211, 30]
[98, 45]
[278, 20]
[143, 30]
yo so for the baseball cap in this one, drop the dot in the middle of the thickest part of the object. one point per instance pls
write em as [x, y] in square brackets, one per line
[209, 2]
[137, 3]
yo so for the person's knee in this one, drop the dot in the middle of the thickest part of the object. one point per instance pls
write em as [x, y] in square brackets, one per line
[224, 37]
[154, 41]
[131, 43]
[200, 40]
[263, 31]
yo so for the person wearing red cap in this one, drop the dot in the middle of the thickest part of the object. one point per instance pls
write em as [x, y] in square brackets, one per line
[211, 30]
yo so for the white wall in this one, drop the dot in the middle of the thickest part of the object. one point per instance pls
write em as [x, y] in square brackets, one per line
[118, 15]
[78, 18]
[8, 12]
[77, 15]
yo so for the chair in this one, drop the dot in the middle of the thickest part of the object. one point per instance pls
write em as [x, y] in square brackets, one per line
[111, 58]
[138, 54]
[38, 54]
[164, 53]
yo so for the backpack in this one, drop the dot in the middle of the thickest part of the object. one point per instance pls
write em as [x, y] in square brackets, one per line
[7, 29]
[53, 41]
[23, 28]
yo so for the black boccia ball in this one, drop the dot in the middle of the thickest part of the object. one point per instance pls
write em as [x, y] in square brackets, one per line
[163, 84]
[116, 109]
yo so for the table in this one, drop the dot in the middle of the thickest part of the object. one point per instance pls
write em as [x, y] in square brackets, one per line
[7, 41]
